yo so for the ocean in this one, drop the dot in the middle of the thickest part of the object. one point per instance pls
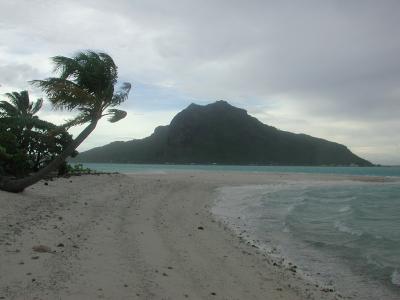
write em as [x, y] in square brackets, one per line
[160, 168]
[343, 235]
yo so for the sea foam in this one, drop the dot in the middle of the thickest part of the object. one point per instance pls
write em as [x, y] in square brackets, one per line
[395, 278]
[346, 229]
[346, 233]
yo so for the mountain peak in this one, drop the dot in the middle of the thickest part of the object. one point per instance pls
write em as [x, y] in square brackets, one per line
[221, 133]
[219, 104]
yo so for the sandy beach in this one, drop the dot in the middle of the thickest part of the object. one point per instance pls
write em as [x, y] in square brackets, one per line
[142, 236]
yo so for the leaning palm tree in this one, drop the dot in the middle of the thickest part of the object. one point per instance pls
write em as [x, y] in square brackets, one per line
[85, 84]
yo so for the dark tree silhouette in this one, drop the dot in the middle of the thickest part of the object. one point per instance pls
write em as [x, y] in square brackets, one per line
[20, 112]
[86, 84]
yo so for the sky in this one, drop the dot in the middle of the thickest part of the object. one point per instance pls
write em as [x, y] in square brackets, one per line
[330, 69]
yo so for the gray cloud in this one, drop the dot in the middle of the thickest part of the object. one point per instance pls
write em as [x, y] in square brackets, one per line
[298, 62]
[15, 75]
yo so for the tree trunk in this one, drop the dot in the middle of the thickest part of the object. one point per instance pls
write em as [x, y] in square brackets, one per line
[18, 185]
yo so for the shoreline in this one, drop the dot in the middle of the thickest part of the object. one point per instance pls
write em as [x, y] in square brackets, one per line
[383, 171]
[142, 236]
[282, 245]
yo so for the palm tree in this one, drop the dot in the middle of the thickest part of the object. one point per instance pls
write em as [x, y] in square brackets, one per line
[20, 111]
[86, 84]
[19, 105]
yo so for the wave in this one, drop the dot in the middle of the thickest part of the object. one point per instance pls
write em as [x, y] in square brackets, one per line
[331, 233]
[395, 278]
[346, 229]
[344, 209]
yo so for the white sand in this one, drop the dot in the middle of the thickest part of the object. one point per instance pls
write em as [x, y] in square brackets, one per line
[135, 237]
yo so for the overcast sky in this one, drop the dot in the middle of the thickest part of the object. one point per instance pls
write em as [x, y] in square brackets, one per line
[330, 69]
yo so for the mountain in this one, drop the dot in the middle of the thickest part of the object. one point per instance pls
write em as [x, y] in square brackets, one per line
[224, 134]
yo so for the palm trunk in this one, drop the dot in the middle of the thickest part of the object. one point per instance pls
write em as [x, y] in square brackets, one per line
[18, 185]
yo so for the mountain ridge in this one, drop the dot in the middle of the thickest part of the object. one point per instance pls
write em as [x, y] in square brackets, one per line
[223, 134]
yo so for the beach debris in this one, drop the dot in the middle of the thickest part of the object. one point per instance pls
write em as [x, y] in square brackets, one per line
[164, 274]
[60, 245]
[35, 257]
[213, 293]
[200, 228]
[41, 249]
[46, 183]
[293, 269]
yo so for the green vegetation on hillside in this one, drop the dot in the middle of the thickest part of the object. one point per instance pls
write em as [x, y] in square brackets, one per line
[223, 134]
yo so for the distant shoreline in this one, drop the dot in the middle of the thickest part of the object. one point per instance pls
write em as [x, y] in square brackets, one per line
[345, 170]
[219, 164]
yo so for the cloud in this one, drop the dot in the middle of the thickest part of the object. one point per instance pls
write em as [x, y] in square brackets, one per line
[15, 75]
[318, 66]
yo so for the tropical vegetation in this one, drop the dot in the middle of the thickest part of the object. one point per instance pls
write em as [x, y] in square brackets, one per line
[85, 84]
[27, 143]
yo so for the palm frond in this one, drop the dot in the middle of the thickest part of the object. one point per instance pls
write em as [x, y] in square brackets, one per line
[7, 109]
[13, 98]
[116, 115]
[79, 120]
[19, 100]
[86, 84]
[21, 104]
[110, 66]
[94, 71]
[36, 106]
[64, 93]
[68, 67]
[23, 101]
[121, 95]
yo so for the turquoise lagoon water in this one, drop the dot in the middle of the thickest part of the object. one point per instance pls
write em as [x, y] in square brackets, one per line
[344, 235]
[149, 168]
